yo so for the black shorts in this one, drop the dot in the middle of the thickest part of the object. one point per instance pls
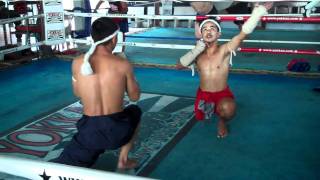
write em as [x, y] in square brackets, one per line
[99, 133]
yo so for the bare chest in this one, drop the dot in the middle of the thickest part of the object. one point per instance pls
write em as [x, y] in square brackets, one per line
[213, 63]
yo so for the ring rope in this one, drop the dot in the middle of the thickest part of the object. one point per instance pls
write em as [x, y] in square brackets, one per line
[20, 48]
[180, 1]
[228, 17]
[178, 46]
[291, 19]
[267, 18]
[280, 51]
[33, 169]
[248, 0]
[227, 40]
[11, 20]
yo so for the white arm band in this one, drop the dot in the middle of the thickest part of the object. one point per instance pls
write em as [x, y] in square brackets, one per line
[190, 57]
[312, 4]
[253, 21]
[309, 7]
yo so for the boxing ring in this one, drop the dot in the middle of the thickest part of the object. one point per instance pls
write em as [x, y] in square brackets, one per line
[277, 109]
[280, 43]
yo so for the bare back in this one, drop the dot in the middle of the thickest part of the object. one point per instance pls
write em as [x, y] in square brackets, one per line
[102, 93]
[213, 69]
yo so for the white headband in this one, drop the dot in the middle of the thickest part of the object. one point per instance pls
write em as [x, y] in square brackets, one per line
[86, 67]
[210, 20]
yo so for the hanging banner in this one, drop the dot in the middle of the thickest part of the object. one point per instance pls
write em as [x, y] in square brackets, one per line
[166, 7]
[53, 22]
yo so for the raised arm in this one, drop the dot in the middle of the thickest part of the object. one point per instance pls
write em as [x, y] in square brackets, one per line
[187, 59]
[133, 89]
[74, 79]
[248, 27]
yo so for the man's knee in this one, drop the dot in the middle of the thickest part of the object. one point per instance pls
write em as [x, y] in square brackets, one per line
[226, 109]
[75, 154]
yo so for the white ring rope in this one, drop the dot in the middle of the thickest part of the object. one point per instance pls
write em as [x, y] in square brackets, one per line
[247, 0]
[82, 41]
[172, 17]
[160, 17]
[33, 169]
[19, 0]
[20, 48]
[215, 0]
[179, 46]
[10, 20]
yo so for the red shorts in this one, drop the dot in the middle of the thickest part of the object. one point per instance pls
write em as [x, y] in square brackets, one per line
[213, 98]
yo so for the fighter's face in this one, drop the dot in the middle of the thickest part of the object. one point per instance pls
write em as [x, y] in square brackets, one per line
[210, 32]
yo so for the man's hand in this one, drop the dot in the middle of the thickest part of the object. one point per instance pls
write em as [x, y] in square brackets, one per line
[179, 66]
[267, 5]
[191, 56]
[257, 13]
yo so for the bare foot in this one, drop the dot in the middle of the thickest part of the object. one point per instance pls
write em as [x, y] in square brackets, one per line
[129, 164]
[222, 129]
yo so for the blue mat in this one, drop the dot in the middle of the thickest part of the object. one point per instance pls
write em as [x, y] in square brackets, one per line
[164, 117]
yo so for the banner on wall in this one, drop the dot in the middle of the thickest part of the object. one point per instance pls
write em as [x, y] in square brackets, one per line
[54, 22]
[166, 7]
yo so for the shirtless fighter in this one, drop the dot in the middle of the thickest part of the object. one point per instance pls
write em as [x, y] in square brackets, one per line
[100, 80]
[213, 63]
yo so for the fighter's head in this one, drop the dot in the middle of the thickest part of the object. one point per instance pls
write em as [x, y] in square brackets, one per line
[104, 29]
[210, 30]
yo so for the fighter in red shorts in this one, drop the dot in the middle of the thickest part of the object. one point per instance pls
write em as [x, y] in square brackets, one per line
[213, 63]
[205, 103]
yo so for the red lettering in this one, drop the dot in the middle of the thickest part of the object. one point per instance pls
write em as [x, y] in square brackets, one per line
[55, 138]
[12, 148]
[62, 118]
[45, 125]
